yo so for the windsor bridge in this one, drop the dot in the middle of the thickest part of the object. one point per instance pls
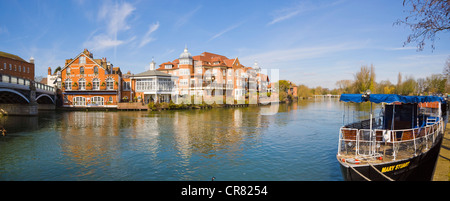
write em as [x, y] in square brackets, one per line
[19, 96]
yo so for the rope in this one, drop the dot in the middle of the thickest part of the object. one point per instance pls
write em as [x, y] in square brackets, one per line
[388, 178]
[358, 172]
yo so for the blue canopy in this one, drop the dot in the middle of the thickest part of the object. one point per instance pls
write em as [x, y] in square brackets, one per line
[389, 98]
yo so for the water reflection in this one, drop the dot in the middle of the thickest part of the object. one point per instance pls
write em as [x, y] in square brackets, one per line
[233, 143]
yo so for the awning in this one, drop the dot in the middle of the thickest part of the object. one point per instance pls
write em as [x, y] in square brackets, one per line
[389, 98]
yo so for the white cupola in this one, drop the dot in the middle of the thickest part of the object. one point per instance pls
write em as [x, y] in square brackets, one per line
[185, 57]
[152, 65]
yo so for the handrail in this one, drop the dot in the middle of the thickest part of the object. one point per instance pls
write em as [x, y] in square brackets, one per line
[366, 141]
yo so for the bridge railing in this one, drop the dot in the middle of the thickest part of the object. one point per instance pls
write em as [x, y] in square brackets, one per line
[25, 82]
[44, 87]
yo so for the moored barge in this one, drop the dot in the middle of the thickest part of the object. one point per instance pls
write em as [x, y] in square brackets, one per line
[401, 144]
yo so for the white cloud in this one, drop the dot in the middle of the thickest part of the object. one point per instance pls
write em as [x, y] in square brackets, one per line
[274, 57]
[302, 7]
[226, 30]
[114, 15]
[185, 18]
[147, 37]
[287, 13]
[102, 42]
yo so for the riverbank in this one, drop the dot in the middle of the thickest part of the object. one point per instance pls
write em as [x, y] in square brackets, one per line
[442, 171]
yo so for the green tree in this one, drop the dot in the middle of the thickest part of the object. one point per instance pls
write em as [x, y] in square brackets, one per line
[304, 91]
[365, 79]
[436, 84]
[385, 87]
[408, 87]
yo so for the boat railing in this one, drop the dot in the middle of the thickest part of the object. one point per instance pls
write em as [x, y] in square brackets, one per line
[387, 144]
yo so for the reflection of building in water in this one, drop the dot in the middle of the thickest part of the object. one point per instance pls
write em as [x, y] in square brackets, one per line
[82, 137]
[211, 132]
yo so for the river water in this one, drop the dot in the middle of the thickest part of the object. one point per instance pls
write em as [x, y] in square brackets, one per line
[297, 142]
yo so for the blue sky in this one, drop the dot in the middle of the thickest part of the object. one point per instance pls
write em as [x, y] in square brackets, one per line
[311, 42]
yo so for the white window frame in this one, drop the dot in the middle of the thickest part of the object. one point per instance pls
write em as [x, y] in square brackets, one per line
[95, 84]
[79, 101]
[109, 83]
[98, 100]
[82, 84]
[68, 84]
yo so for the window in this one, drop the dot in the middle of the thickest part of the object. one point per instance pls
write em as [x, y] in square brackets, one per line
[109, 84]
[66, 100]
[82, 84]
[111, 99]
[68, 71]
[82, 60]
[4, 66]
[97, 100]
[68, 84]
[168, 66]
[10, 67]
[79, 101]
[95, 69]
[95, 84]
[184, 72]
[186, 61]
[28, 69]
[183, 82]
[82, 70]
[146, 84]
[126, 86]
[199, 71]
[15, 68]
[20, 68]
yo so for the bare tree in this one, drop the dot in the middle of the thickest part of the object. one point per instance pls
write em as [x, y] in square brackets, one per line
[426, 19]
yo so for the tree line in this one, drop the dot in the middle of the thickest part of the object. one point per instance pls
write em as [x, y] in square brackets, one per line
[365, 79]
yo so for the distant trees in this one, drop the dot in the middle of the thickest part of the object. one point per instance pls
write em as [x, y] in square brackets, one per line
[365, 79]
[426, 18]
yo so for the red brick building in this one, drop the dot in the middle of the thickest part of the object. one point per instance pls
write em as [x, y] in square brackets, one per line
[14, 65]
[89, 82]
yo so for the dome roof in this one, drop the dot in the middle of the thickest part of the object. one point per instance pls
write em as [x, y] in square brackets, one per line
[185, 54]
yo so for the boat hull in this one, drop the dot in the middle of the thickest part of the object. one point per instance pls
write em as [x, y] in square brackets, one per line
[418, 168]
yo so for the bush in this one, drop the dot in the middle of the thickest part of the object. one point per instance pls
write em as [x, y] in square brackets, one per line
[172, 105]
[164, 105]
[151, 106]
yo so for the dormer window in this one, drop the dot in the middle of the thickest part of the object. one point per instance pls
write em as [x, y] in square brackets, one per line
[168, 66]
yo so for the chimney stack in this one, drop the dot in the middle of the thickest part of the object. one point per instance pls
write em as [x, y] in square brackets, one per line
[49, 71]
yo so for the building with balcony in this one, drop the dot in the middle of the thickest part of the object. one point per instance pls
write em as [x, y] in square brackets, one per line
[89, 82]
[155, 86]
[210, 74]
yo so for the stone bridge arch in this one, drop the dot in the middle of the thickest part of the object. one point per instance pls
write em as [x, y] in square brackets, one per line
[3, 96]
[45, 95]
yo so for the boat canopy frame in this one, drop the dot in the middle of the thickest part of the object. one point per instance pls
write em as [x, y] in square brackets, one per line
[365, 142]
[388, 98]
